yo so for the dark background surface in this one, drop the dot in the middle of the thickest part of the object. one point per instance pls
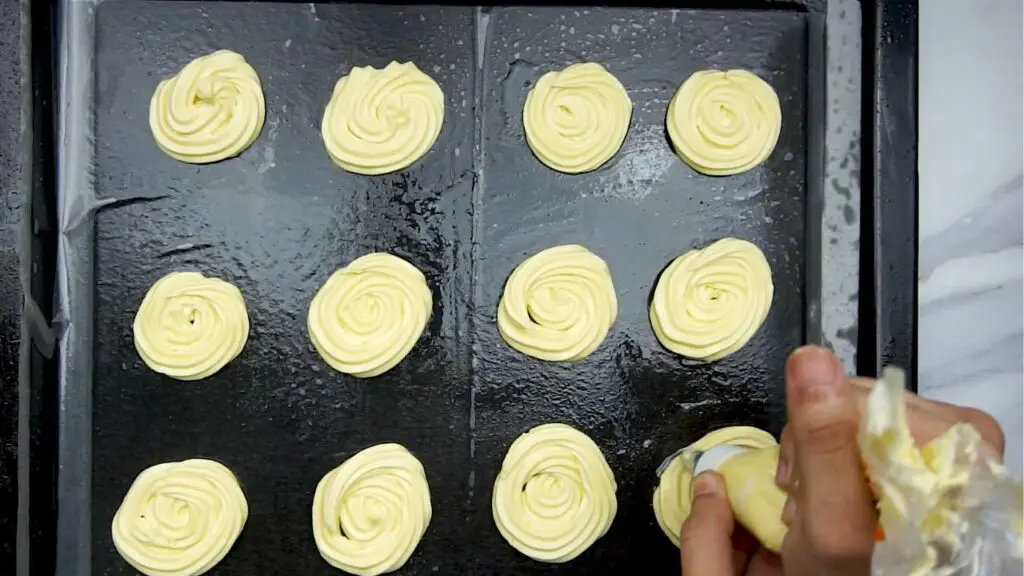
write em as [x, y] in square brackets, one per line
[888, 293]
[11, 198]
[279, 219]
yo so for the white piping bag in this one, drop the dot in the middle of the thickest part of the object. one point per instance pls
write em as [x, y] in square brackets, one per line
[946, 508]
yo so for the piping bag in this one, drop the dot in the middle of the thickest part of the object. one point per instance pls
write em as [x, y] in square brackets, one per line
[945, 508]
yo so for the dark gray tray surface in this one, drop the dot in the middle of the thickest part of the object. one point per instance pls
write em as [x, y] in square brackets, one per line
[11, 198]
[638, 213]
[281, 218]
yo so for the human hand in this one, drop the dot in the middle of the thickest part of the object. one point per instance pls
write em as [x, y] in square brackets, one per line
[829, 512]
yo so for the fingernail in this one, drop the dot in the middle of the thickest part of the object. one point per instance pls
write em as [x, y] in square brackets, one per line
[782, 472]
[706, 484]
[789, 510]
[813, 367]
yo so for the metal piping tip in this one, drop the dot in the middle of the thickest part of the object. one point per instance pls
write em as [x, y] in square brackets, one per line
[667, 461]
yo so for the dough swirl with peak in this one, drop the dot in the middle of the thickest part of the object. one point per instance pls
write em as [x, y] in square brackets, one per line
[558, 305]
[709, 302]
[369, 314]
[370, 513]
[179, 518]
[555, 494]
[724, 123]
[577, 118]
[190, 326]
[382, 120]
[211, 110]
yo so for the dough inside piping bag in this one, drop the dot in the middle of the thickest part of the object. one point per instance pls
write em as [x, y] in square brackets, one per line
[945, 508]
[750, 481]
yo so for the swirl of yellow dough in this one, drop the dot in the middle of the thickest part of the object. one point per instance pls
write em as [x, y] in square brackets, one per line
[672, 497]
[555, 494]
[370, 513]
[382, 120]
[724, 123]
[576, 119]
[709, 302]
[558, 305]
[211, 110]
[190, 326]
[179, 518]
[369, 314]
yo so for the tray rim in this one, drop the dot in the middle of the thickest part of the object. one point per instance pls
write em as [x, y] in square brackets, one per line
[889, 71]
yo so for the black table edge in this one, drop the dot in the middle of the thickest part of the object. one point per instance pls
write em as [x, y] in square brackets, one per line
[888, 278]
[38, 401]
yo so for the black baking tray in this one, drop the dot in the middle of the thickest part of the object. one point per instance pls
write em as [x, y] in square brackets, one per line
[279, 219]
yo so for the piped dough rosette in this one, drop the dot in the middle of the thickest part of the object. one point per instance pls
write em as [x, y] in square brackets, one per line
[180, 518]
[723, 123]
[370, 513]
[555, 494]
[558, 305]
[369, 314]
[577, 118]
[211, 110]
[674, 492]
[382, 120]
[709, 302]
[190, 326]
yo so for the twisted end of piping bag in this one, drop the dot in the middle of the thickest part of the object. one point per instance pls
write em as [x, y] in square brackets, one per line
[944, 508]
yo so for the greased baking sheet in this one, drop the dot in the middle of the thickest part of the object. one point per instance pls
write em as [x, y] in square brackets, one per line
[279, 219]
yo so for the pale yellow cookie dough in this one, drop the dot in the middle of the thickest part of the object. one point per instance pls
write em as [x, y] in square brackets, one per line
[179, 518]
[577, 118]
[190, 326]
[750, 482]
[755, 498]
[382, 120]
[558, 305]
[211, 110]
[370, 513]
[723, 123]
[369, 314]
[555, 494]
[930, 496]
[709, 302]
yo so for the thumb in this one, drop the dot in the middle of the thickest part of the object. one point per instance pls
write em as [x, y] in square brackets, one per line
[830, 481]
[705, 542]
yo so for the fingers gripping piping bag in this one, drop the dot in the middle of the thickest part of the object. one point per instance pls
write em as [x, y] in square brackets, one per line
[747, 458]
[945, 508]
